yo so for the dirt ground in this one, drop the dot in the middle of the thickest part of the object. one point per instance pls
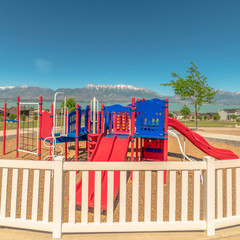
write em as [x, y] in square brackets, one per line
[173, 155]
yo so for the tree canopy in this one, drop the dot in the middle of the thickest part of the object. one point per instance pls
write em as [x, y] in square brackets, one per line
[70, 104]
[193, 87]
[185, 111]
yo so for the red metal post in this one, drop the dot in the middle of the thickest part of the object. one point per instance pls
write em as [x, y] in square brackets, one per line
[40, 128]
[17, 138]
[102, 119]
[132, 128]
[89, 118]
[141, 149]
[66, 122]
[76, 133]
[165, 141]
[51, 127]
[137, 149]
[4, 128]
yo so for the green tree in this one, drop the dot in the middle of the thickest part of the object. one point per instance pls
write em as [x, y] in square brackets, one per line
[234, 117]
[70, 104]
[23, 117]
[170, 114]
[205, 117]
[216, 116]
[193, 87]
[238, 120]
[200, 117]
[12, 116]
[185, 111]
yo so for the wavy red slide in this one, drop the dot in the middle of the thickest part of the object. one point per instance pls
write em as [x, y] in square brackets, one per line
[200, 142]
[107, 149]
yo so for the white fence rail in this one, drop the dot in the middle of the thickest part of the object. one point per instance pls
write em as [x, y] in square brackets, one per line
[42, 196]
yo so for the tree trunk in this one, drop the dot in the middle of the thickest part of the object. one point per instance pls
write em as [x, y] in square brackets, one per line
[196, 115]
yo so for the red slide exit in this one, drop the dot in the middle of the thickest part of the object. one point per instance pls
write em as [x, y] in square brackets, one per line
[200, 142]
[107, 149]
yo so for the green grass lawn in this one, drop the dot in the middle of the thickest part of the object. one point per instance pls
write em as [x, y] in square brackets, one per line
[209, 123]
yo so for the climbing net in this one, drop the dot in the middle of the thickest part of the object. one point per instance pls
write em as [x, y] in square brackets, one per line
[28, 127]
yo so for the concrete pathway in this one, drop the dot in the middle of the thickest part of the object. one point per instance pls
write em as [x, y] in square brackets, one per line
[227, 233]
[224, 138]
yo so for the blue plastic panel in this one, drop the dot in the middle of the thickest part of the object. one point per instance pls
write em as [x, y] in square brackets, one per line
[72, 121]
[150, 117]
[117, 109]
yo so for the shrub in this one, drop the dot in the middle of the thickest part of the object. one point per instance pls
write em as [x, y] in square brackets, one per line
[23, 117]
[12, 116]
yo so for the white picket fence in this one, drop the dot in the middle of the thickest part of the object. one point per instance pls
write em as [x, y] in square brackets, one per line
[41, 196]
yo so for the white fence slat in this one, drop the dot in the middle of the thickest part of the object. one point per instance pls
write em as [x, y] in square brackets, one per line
[46, 195]
[237, 196]
[135, 195]
[209, 195]
[72, 197]
[35, 197]
[24, 194]
[147, 198]
[219, 193]
[196, 196]
[97, 197]
[172, 196]
[184, 207]
[84, 197]
[110, 185]
[14, 193]
[160, 195]
[123, 195]
[229, 192]
[4, 192]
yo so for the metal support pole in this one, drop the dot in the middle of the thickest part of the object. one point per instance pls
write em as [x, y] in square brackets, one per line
[165, 141]
[4, 128]
[132, 128]
[76, 133]
[40, 128]
[17, 137]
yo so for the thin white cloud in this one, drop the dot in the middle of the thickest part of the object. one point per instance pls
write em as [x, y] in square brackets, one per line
[43, 65]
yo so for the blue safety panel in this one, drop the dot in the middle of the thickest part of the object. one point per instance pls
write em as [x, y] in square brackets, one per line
[155, 150]
[150, 117]
[71, 137]
[72, 121]
[117, 109]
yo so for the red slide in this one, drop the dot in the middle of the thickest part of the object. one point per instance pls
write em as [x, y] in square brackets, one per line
[107, 149]
[200, 142]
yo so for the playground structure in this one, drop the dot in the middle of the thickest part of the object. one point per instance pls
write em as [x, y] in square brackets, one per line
[50, 127]
[108, 133]
[143, 123]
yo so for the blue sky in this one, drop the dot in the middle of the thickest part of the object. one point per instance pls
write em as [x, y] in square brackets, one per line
[56, 43]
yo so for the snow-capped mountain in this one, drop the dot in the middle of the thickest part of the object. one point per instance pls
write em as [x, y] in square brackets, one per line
[8, 87]
[110, 93]
[104, 93]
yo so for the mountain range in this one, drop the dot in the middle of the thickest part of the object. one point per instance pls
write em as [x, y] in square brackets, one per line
[104, 93]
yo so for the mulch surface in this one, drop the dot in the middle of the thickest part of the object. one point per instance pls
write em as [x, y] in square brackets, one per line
[173, 155]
